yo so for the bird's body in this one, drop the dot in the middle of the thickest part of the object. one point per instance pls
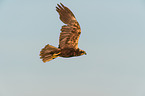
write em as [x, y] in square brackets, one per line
[69, 52]
[68, 40]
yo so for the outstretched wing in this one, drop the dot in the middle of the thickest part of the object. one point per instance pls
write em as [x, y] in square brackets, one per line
[70, 32]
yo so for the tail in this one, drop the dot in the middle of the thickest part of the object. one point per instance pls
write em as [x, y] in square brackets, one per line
[49, 52]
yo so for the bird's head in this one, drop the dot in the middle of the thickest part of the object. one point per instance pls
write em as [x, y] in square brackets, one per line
[82, 52]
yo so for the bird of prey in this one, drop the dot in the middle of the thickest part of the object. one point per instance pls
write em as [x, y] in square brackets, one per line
[68, 40]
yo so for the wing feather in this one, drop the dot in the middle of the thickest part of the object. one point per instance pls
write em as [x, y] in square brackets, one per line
[70, 32]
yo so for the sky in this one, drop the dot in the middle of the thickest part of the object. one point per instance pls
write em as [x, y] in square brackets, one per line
[113, 35]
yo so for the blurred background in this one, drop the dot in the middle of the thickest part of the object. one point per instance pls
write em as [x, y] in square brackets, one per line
[113, 35]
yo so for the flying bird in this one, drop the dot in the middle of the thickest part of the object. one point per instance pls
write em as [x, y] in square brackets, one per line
[68, 40]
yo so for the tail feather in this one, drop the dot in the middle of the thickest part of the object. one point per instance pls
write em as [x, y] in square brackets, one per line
[49, 52]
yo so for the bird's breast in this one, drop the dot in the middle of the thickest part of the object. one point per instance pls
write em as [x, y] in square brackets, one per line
[68, 52]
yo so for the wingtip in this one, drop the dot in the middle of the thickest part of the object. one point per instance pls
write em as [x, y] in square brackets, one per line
[59, 6]
[62, 4]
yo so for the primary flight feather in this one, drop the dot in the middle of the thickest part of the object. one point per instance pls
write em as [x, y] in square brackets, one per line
[68, 40]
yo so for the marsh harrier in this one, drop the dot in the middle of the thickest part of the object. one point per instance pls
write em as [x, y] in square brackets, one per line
[68, 40]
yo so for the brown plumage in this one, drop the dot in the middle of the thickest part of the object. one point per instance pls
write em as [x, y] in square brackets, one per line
[68, 40]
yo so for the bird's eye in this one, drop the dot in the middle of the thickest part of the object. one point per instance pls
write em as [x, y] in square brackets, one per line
[82, 51]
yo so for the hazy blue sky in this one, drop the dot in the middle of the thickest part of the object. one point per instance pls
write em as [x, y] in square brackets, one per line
[113, 35]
